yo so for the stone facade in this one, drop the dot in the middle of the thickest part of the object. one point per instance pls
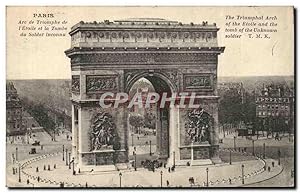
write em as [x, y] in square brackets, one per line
[174, 57]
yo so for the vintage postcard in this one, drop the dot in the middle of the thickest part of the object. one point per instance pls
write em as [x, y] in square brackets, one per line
[150, 97]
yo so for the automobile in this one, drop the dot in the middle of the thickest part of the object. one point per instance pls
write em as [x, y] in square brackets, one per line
[36, 143]
[32, 151]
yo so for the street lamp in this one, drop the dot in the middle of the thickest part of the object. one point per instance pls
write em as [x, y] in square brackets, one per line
[253, 153]
[230, 158]
[63, 152]
[206, 177]
[174, 159]
[120, 175]
[264, 149]
[69, 160]
[66, 157]
[73, 167]
[279, 153]
[150, 147]
[16, 154]
[243, 181]
[19, 173]
[134, 160]
[161, 179]
[234, 143]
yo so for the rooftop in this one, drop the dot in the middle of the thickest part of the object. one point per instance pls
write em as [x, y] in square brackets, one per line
[144, 23]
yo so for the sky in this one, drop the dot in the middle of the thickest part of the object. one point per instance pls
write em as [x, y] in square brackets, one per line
[44, 58]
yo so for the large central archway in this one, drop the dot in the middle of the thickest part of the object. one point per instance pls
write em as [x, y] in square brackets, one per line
[161, 85]
[174, 57]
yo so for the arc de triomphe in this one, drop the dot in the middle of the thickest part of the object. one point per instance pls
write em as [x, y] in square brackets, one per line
[174, 57]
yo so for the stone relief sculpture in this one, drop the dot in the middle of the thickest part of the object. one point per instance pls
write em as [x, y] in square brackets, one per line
[75, 84]
[197, 81]
[198, 125]
[103, 132]
[95, 84]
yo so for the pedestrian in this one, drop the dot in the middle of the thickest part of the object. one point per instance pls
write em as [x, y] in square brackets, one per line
[48, 167]
[37, 169]
[38, 178]
[273, 164]
[27, 181]
[169, 169]
[54, 166]
[13, 171]
[168, 183]
[86, 184]
[229, 180]
[269, 169]
[44, 167]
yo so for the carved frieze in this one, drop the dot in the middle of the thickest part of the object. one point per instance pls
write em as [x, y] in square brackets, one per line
[75, 83]
[145, 58]
[144, 36]
[100, 83]
[198, 81]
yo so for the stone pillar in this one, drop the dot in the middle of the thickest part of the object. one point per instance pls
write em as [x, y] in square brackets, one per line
[74, 134]
[215, 135]
[163, 138]
[174, 135]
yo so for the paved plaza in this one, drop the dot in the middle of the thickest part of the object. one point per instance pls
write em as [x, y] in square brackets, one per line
[256, 169]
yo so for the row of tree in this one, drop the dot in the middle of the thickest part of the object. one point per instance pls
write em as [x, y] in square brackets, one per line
[138, 122]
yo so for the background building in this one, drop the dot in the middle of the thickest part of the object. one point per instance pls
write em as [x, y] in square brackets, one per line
[275, 108]
[14, 124]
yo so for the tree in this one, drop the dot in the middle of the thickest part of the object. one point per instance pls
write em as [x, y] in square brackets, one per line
[137, 122]
[150, 120]
[230, 107]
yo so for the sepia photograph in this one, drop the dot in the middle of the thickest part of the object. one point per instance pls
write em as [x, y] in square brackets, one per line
[150, 97]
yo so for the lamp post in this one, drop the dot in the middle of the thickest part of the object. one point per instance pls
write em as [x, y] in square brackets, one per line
[206, 177]
[16, 154]
[73, 166]
[63, 152]
[120, 175]
[134, 160]
[279, 153]
[192, 152]
[69, 160]
[243, 181]
[264, 149]
[66, 157]
[230, 158]
[234, 143]
[174, 159]
[161, 178]
[150, 147]
[253, 152]
[19, 173]
[13, 158]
